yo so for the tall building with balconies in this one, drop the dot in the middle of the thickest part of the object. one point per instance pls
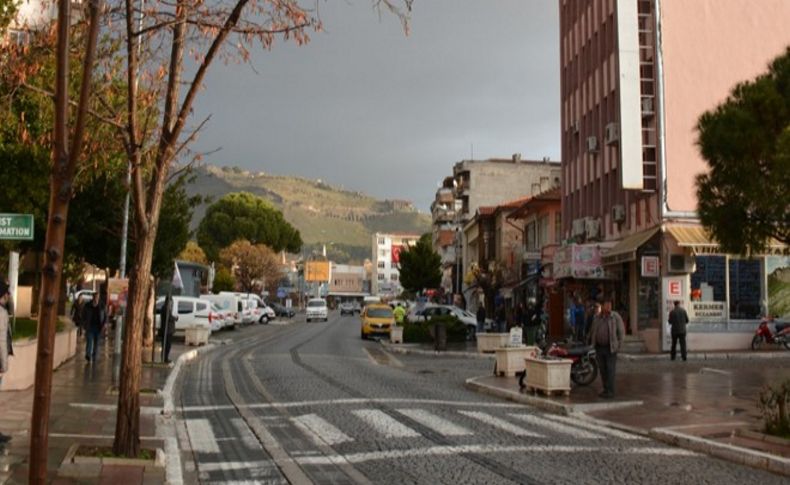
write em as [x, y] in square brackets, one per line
[636, 75]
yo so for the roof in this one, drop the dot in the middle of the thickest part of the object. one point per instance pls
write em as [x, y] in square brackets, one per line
[543, 199]
[625, 250]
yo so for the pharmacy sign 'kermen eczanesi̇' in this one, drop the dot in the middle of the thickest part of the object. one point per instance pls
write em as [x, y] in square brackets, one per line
[16, 227]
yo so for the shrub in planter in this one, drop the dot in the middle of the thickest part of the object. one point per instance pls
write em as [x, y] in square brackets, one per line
[422, 332]
[416, 332]
[774, 404]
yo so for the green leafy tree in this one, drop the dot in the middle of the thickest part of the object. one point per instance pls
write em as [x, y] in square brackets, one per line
[744, 199]
[224, 281]
[242, 215]
[420, 266]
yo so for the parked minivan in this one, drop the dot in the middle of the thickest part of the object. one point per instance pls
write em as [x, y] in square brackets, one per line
[257, 310]
[245, 306]
[229, 305]
[191, 312]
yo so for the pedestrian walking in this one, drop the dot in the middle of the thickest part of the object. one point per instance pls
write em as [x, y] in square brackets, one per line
[167, 326]
[678, 318]
[5, 340]
[607, 334]
[577, 320]
[501, 319]
[93, 319]
[481, 318]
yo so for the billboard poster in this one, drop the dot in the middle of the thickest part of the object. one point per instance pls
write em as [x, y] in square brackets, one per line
[396, 249]
[316, 271]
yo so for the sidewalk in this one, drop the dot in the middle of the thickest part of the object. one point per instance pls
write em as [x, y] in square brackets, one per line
[705, 405]
[83, 408]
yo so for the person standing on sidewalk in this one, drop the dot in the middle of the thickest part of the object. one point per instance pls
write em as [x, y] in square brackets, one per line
[678, 318]
[5, 340]
[607, 334]
[481, 318]
[167, 326]
[93, 319]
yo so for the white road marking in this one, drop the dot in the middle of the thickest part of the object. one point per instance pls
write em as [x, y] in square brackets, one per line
[320, 431]
[201, 436]
[595, 427]
[500, 423]
[485, 449]
[235, 465]
[344, 402]
[173, 462]
[557, 427]
[384, 424]
[436, 423]
[247, 437]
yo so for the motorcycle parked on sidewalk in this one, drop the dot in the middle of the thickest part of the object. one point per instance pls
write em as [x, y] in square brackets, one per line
[763, 335]
[584, 368]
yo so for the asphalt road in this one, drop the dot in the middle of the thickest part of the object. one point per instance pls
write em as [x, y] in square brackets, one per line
[313, 403]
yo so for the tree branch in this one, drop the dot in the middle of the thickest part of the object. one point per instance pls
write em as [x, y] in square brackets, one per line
[91, 112]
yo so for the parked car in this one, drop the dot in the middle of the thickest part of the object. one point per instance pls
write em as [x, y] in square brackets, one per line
[282, 311]
[377, 319]
[430, 311]
[246, 307]
[317, 310]
[191, 312]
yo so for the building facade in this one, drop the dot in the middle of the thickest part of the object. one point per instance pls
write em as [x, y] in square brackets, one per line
[386, 248]
[635, 78]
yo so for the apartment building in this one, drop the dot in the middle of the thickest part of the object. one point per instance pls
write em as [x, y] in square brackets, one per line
[635, 77]
[386, 250]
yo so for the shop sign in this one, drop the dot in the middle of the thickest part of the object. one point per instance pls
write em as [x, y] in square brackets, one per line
[713, 311]
[581, 261]
[16, 227]
[650, 267]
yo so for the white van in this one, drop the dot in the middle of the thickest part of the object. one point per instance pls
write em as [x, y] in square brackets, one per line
[191, 312]
[229, 306]
[317, 310]
[249, 308]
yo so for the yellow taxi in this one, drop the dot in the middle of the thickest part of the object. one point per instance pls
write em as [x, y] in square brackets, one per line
[377, 319]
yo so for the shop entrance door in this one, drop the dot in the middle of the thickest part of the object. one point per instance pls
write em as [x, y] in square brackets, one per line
[556, 315]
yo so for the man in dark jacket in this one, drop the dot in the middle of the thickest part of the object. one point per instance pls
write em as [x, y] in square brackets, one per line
[678, 318]
[92, 319]
[167, 326]
[481, 318]
[607, 334]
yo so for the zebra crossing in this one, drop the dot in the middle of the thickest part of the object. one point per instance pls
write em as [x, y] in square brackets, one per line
[371, 423]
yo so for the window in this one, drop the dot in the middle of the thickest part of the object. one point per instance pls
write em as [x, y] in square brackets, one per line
[710, 278]
[543, 231]
[382, 264]
[394, 277]
[381, 276]
[557, 227]
[185, 307]
[201, 306]
[381, 241]
[532, 242]
[745, 278]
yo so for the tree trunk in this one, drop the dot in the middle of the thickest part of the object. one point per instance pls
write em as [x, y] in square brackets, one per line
[127, 425]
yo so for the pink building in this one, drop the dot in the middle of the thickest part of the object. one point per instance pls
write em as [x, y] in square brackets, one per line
[635, 77]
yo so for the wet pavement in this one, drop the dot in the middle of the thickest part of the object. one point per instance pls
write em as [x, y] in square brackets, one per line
[84, 401]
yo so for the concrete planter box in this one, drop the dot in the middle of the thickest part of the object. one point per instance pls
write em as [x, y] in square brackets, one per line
[196, 335]
[396, 335]
[549, 376]
[22, 365]
[89, 467]
[510, 360]
[489, 342]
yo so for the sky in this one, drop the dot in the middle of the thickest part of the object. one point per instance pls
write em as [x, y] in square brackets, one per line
[365, 107]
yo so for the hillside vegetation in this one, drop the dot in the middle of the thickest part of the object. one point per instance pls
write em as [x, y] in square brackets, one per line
[322, 213]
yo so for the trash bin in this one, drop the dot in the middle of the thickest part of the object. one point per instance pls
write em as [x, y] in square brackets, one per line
[439, 337]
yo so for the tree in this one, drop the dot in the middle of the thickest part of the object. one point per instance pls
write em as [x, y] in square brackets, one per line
[420, 266]
[744, 199]
[251, 263]
[242, 215]
[194, 253]
[224, 281]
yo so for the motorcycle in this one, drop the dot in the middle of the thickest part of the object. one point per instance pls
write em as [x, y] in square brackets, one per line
[764, 335]
[584, 368]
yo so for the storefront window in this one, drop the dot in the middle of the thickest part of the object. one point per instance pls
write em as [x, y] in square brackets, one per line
[709, 282]
[777, 269]
[745, 286]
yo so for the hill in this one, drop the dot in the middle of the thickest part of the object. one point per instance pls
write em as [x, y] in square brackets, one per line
[321, 212]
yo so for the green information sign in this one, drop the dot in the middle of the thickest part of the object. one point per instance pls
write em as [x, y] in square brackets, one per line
[16, 227]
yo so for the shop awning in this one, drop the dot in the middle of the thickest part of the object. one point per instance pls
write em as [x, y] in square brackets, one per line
[692, 236]
[625, 250]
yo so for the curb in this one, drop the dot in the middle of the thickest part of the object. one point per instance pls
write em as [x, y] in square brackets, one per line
[739, 355]
[543, 403]
[402, 349]
[167, 390]
[743, 456]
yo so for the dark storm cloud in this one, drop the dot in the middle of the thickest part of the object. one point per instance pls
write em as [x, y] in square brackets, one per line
[365, 107]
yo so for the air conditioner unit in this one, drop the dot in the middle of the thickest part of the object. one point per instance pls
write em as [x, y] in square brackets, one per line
[647, 108]
[578, 228]
[681, 263]
[575, 127]
[592, 228]
[618, 213]
[592, 144]
[612, 133]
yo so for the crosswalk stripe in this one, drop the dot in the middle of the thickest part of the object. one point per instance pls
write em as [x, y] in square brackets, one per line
[436, 423]
[557, 427]
[600, 429]
[384, 423]
[500, 423]
[201, 436]
[320, 430]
